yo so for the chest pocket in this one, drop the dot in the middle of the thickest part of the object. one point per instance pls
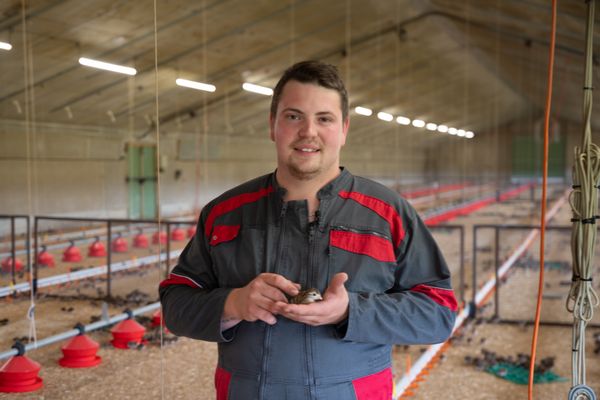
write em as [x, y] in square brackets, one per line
[365, 254]
[237, 253]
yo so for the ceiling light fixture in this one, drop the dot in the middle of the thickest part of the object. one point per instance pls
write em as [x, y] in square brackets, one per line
[251, 87]
[195, 85]
[403, 120]
[418, 123]
[385, 116]
[442, 128]
[469, 135]
[461, 132]
[431, 126]
[88, 62]
[452, 131]
[5, 46]
[367, 112]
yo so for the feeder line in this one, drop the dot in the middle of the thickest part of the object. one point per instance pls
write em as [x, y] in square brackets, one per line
[86, 236]
[123, 265]
[87, 328]
[414, 201]
[90, 235]
[433, 350]
[86, 273]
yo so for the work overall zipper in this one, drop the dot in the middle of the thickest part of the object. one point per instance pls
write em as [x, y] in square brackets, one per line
[268, 328]
[312, 227]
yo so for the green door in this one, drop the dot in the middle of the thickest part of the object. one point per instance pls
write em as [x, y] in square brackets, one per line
[527, 155]
[141, 180]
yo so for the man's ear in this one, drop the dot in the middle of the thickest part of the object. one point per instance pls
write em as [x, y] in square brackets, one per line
[272, 127]
[345, 128]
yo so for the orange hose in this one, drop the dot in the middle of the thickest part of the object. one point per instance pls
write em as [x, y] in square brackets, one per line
[544, 190]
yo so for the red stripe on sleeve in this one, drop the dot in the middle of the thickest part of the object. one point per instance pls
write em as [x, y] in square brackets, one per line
[231, 204]
[444, 297]
[384, 210]
[179, 280]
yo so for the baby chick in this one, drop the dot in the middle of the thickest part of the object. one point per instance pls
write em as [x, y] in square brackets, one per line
[307, 296]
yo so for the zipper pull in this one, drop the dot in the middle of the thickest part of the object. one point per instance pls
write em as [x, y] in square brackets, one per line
[283, 209]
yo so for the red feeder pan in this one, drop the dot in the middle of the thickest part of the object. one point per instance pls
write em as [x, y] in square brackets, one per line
[46, 259]
[97, 249]
[80, 352]
[7, 264]
[162, 236]
[140, 241]
[191, 231]
[20, 374]
[119, 245]
[72, 254]
[127, 333]
[178, 235]
[157, 320]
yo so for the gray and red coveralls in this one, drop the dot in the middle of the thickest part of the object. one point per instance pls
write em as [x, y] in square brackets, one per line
[399, 288]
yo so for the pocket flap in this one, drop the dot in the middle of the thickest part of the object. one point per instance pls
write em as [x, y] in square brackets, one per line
[223, 233]
[371, 245]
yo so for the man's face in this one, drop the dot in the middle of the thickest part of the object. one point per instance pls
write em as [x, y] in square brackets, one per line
[308, 131]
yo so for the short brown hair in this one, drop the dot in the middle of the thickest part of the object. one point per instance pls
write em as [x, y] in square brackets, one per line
[317, 72]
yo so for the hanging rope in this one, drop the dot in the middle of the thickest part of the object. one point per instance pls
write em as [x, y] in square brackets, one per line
[584, 202]
[548, 105]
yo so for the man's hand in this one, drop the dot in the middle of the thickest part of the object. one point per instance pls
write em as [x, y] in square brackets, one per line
[257, 300]
[332, 310]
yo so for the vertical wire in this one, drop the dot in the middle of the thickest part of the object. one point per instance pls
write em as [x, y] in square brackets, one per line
[496, 98]
[28, 75]
[463, 143]
[292, 31]
[204, 97]
[158, 202]
[348, 40]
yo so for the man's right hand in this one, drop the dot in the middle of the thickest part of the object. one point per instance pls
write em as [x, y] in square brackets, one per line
[256, 300]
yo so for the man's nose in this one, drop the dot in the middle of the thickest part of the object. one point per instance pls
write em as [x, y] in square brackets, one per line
[309, 128]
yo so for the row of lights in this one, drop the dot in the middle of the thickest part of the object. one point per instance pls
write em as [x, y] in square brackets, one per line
[88, 62]
[417, 123]
[250, 87]
[206, 87]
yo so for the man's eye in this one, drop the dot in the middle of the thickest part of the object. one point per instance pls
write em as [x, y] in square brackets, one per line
[293, 117]
[325, 119]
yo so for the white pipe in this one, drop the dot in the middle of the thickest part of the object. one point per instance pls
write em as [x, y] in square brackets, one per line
[86, 273]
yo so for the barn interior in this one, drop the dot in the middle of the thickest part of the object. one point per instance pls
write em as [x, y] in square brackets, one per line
[448, 107]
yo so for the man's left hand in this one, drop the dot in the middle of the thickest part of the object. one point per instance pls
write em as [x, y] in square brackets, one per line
[331, 310]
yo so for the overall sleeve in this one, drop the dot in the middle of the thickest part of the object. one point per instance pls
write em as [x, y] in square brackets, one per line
[191, 299]
[419, 309]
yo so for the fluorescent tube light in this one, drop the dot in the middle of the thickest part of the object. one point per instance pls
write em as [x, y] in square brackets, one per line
[250, 87]
[5, 46]
[418, 123]
[431, 126]
[195, 85]
[385, 116]
[367, 112]
[403, 120]
[107, 66]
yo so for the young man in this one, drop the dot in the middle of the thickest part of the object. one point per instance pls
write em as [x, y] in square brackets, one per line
[310, 224]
